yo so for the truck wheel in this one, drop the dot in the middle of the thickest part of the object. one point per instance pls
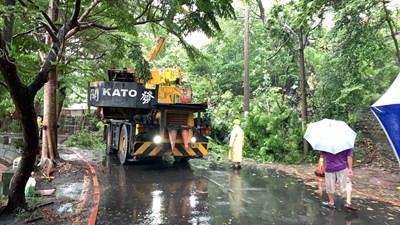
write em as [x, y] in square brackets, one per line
[123, 145]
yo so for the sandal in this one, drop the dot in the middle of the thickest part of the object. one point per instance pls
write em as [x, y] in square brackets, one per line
[328, 205]
[350, 207]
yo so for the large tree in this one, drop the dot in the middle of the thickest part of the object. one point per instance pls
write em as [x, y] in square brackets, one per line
[33, 24]
[49, 138]
[361, 54]
[23, 95]
[350, 52]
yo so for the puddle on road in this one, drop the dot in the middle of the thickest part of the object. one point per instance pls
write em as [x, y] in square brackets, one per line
[266, 196]
[162, 193]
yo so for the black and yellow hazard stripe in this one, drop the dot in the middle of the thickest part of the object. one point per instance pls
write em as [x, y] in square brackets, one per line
[148, 148]
[200, 149]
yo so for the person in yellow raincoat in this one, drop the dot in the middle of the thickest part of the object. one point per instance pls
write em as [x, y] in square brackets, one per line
[236, 143]
[39, 121]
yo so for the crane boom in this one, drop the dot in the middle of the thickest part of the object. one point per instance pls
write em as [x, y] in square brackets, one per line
[155, 51]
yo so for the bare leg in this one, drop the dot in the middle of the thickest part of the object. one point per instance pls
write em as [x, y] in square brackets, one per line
[348, 197]
[331, 199]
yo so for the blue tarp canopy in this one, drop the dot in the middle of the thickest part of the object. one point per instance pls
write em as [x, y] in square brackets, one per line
[387, 110]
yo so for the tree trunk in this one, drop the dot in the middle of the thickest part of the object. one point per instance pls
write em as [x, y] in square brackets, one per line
[303, 88]
[262, 10]
[24, 103]
[61, 93]
[30, 149]
[23, 98]
[392, 33]
[49, 141]
[8, 23]
[246, 61]
[49, 146]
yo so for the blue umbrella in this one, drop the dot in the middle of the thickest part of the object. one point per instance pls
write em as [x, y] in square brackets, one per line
[387, 111]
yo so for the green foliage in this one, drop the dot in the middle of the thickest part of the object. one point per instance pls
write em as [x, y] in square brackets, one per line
[273, 129]
[15, 126]
[348, 82]
[222, 86]
[217, 148]
[6, 103]
[90, 135]
[351, 65]
[86, 139]
[224, 108]
[141, 65]
[224, 59]
[32, 212]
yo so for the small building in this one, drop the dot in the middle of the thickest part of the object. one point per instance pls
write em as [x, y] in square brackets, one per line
[77, 110]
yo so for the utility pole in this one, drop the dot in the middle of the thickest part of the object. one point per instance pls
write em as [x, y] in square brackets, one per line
[246, 61]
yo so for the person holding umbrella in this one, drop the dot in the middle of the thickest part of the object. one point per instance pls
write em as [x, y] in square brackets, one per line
[236, 142]
[338, 167]
[335, 141]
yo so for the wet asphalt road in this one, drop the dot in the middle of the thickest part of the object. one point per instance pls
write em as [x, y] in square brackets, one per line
[150, 193]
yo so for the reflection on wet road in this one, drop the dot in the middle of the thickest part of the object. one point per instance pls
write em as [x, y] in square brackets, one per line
[164, 193]
[153, 193]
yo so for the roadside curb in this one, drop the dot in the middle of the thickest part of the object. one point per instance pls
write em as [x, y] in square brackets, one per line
[95, 190]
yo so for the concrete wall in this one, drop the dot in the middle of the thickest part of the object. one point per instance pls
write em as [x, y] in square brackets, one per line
[9, 150]
[10, 147]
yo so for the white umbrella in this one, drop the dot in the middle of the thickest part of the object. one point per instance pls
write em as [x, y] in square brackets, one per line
[331, 136]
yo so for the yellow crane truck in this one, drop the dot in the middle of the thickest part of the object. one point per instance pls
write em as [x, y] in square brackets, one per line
[155, 118]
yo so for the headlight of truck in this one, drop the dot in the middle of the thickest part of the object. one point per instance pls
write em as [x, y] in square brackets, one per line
[157, 139]
[193, 140]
